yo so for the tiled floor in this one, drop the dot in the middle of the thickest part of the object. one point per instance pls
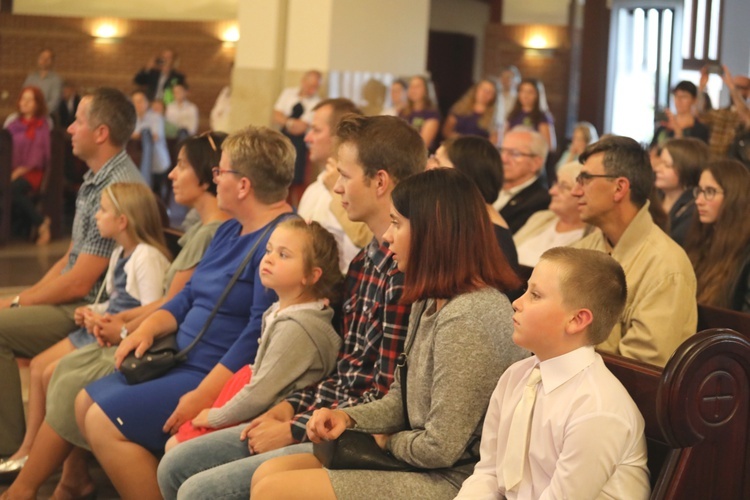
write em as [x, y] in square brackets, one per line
[23, 264]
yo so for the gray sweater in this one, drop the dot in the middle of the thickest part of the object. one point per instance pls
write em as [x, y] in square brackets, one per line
[299, 349]
[455, 361]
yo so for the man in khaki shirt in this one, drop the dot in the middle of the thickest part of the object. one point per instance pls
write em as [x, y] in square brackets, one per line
[661, 311]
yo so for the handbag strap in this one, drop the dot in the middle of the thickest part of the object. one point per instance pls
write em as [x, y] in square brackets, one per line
[403, 368]
[183, 353]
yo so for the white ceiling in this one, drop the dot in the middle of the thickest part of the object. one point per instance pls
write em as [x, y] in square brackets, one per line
[195, 10]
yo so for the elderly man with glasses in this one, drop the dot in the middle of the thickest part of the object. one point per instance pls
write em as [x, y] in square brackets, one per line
[524, 192]
[613, 188]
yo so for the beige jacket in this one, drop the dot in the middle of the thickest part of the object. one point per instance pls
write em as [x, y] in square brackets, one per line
[661, 310]
[537, 223]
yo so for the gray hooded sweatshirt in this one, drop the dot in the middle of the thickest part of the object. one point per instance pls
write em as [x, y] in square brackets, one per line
[299, 349]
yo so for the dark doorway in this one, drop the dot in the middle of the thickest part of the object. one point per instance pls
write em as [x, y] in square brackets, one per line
[450, 61]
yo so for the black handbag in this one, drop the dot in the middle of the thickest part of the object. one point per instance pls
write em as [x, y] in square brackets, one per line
[356, 450]
[359, 450]
[164, 354]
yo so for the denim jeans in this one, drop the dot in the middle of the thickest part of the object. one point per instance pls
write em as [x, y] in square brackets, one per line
[216, 465]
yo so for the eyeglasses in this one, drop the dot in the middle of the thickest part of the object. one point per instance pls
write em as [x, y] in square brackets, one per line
[709, 193]
[563, 187]
[514, 153]
[584, 177]
[217, 172]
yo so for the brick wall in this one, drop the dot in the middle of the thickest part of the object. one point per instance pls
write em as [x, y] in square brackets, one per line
[79, 58]
[504, 44]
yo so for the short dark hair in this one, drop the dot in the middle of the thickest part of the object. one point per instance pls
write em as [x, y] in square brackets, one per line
[624, 157]
[340, 107]
[112, 108]
[453, 249]
[689, 156]
[591, 280]
[480, 160]
[384, 143]
[686, 86]
[202, 156]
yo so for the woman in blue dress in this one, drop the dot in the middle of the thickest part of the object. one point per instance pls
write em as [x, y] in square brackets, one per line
[127, 424]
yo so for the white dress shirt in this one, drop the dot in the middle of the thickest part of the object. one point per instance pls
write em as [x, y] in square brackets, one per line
[586, 439]
[289, 97]
[184, 115]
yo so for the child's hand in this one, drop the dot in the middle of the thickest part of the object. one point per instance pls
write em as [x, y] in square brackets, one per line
[202, 419]
[78, 315]
[107, 330]
[89, 320]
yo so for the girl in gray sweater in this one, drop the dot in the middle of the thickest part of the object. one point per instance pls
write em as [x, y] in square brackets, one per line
[459, 343]
[298, 344]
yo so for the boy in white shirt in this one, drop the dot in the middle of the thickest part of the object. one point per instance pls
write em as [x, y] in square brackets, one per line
[585, 436]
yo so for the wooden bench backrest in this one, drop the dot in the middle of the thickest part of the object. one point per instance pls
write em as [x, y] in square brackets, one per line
[717, 317]
[697, 416]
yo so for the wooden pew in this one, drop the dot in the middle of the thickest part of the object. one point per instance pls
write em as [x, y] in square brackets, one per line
[697, 416]
[717, 317]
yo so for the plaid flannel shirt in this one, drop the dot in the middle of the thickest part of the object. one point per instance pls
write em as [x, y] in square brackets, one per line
[723, 125]
[375, 327]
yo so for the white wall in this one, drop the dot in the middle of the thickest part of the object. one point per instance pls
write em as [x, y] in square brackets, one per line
[379, 36]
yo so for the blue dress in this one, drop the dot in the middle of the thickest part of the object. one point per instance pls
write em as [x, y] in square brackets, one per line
[139, 411]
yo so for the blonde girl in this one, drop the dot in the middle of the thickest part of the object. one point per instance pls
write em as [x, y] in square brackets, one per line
[128, 214]
[298, 346]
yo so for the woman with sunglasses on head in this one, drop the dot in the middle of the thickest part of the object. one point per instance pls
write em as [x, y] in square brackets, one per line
[459, 343]
[718, 243]
[194, 188]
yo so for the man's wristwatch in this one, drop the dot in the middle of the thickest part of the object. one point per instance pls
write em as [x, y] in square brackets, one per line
[123, 332]
[16, 302]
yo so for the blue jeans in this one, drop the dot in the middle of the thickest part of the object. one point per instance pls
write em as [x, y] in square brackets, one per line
[216, 465]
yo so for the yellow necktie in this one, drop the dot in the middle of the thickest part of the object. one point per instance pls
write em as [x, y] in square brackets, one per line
[518, 437]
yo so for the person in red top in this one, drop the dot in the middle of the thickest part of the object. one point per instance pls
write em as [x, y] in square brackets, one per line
[29, 129]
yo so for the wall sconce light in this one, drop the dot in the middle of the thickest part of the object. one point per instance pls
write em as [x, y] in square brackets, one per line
[106, 31]
[230, 35]
[537, 45]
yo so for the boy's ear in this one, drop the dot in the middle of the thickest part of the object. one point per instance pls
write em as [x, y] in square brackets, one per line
[579, 322]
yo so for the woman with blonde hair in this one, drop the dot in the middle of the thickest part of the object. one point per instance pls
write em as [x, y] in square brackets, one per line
[584, 134]
[475, 113]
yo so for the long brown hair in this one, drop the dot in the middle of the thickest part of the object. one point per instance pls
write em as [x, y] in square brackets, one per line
[453, 249]
[540, 106]
[465, 105]
[716, 250]
[430, 100]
